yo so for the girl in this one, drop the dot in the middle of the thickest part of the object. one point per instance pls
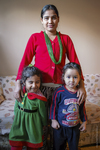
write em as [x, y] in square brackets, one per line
[65, 111]
[30, 115]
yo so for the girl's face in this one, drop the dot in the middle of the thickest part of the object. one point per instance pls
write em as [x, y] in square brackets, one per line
[32, 84]
[71, 79]
[50, 21]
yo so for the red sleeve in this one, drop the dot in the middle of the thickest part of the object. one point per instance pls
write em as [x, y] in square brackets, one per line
[71, 53]
[27, 57]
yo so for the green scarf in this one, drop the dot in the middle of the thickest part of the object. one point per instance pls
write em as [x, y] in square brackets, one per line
[49, 47]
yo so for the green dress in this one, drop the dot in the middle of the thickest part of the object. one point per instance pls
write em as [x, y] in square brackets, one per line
[27, 128]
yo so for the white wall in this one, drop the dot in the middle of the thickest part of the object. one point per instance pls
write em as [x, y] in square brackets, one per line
[80, 19]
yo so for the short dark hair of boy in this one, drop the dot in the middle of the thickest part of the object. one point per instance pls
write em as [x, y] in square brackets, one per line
[71, 65]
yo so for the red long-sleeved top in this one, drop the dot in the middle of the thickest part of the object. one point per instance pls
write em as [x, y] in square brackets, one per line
[36, 46]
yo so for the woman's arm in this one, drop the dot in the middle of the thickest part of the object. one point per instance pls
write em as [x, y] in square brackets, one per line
[71, 53]
[18, 91]
[26, 60]
[27, 56]
[72, 56]
[81, 93]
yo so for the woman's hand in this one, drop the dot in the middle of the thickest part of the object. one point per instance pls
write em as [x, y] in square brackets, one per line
[18, 92]
[81, 93]
[55, 124]
[83, 126]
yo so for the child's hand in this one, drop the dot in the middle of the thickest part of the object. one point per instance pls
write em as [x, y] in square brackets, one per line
[55, 124]
[83, 126]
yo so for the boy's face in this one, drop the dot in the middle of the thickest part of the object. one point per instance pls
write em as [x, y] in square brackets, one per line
[71, 79]
[32, 84]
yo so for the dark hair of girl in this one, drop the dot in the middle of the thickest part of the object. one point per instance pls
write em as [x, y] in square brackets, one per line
[71, 65]
[28, 72]
[48, 7]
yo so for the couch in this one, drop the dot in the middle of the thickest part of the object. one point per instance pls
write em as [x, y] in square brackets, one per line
[88, 137]
[92, 134]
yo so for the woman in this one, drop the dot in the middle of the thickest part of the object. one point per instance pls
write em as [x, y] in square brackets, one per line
[50, 49]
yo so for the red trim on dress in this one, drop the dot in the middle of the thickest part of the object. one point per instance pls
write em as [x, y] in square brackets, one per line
[32, 96]
[24, 143]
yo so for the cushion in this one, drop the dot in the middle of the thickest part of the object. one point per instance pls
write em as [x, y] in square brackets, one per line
[8, 84]
[6, 116]
[94, 99]
[92, 84]
[93, 112]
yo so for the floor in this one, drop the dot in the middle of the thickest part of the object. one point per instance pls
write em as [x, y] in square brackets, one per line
[91, 148]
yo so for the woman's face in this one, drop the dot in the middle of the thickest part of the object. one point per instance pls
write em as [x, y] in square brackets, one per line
[50, 21]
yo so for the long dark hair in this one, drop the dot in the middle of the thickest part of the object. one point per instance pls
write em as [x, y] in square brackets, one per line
[48, 7]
